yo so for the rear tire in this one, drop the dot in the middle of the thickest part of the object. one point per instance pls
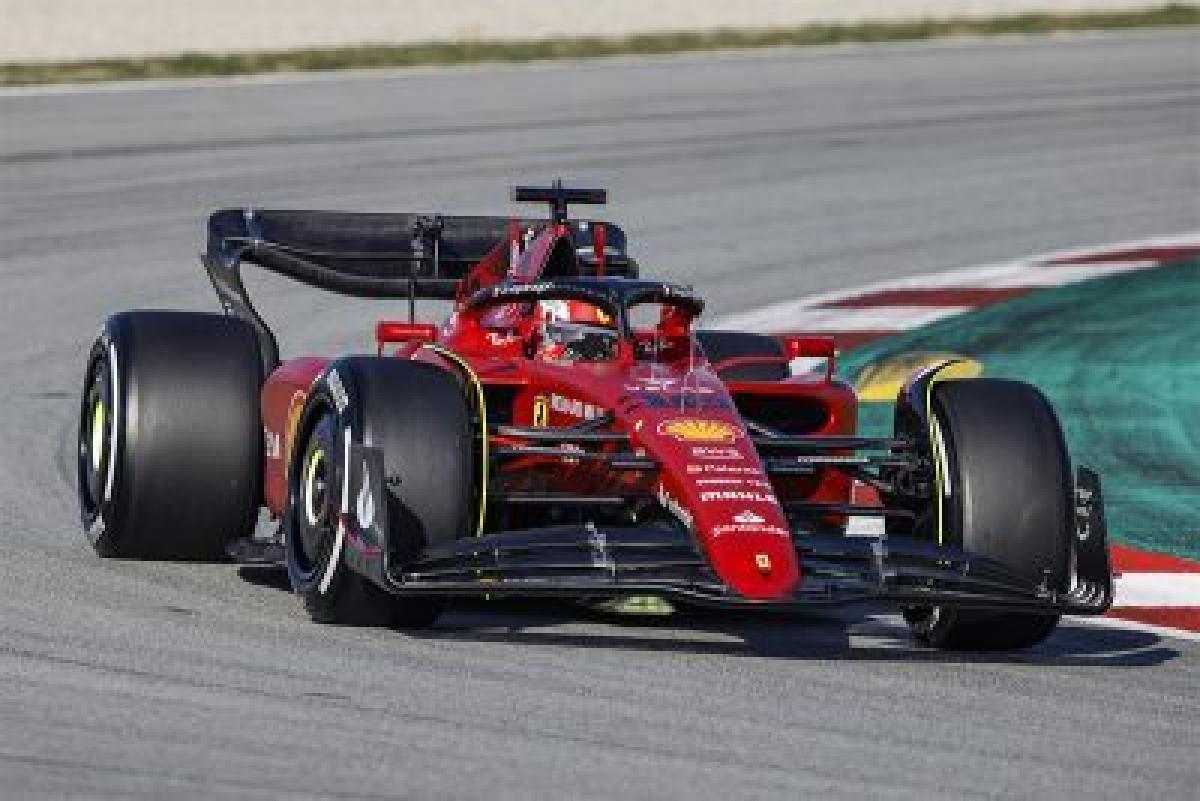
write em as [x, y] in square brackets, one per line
[1009, 499]
[417, 415]
[719, 346]
[170, 438]
[962, 630]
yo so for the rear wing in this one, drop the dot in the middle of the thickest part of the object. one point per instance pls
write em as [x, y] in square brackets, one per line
[373, 255]
[379, 255]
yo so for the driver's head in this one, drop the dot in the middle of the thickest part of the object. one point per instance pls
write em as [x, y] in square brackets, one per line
[573, 311]
[575, 330]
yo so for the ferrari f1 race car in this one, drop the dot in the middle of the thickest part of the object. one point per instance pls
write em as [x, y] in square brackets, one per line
[567, 432]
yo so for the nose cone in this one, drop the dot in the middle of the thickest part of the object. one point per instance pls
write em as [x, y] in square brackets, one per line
[758, 565]
[713, 480]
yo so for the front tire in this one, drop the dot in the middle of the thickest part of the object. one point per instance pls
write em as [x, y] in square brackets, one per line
[332, 592]
[416, 415]
[1007, 497]
[170, 439]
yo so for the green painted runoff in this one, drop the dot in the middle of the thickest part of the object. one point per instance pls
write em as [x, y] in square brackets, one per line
[1120, 359]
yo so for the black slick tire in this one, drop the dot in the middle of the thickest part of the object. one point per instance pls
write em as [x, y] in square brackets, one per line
[1007, 497]
[170, 438]
[416, 414]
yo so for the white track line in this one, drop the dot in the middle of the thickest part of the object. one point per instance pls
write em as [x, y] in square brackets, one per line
[1133, 625]
[874, 318]
[1035, 271]
[1158, 589]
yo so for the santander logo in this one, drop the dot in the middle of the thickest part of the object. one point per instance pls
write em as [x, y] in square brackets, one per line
[748, 518]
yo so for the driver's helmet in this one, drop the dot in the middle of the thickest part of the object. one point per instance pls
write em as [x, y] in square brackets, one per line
[575, 330]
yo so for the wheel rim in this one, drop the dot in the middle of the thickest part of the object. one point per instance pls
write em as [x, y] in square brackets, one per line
[316, 525]
[99, 416]
[95, 434]
[315, 488]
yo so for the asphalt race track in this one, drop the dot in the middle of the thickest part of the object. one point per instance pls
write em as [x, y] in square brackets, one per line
[754, 177]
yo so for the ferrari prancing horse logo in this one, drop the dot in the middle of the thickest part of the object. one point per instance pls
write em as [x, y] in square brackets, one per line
[541, 412]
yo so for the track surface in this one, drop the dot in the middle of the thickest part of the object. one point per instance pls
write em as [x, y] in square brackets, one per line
[754, 177]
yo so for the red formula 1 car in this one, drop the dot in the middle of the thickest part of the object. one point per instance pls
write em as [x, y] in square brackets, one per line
[566, 432]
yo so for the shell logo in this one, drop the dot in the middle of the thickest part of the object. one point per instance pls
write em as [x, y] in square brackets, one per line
[692, 429]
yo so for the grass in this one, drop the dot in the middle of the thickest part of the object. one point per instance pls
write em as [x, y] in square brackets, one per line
[192, 65]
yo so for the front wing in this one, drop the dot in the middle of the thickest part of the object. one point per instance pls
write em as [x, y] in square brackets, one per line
[605, 561]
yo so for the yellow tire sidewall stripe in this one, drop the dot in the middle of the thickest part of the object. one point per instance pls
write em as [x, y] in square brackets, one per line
[956, 369]
[477, 385]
